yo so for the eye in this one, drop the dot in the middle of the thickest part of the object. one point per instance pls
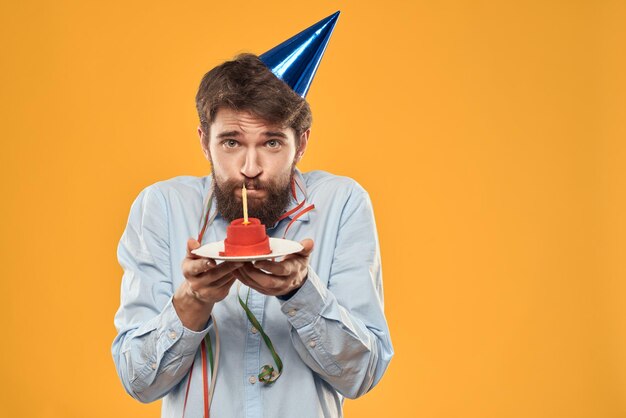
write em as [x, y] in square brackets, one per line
[273, 143]
[230, 143]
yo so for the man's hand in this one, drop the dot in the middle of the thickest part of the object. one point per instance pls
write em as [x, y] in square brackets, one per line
[206, 284]
[277, 278]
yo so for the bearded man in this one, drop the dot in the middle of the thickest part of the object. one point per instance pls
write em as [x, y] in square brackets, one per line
[322, 308]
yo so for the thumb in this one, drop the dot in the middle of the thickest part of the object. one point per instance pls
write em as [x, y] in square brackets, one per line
[192, 244]
[308, 247]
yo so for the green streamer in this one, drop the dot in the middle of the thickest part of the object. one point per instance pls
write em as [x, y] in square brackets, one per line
[207, 340]
[267, 374]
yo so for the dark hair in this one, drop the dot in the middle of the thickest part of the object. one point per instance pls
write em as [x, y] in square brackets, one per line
[245, 83]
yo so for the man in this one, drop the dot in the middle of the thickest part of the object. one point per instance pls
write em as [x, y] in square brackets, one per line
[322, 308]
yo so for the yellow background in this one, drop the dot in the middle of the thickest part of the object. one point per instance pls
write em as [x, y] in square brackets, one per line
[490, 136]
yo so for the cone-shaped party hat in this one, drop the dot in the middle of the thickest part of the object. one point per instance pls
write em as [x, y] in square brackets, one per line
[296, 60]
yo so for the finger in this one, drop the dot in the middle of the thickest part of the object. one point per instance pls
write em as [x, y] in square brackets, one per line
[253, 285]
[280, 268]
[207, 266]
[204, 283]
[192, 244]
[264, 280]
[197, 266]
[308, 247]
[221, 270]
[225, 281]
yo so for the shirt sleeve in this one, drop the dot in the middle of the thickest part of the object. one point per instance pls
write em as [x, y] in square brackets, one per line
[340, 331]
[153, 351]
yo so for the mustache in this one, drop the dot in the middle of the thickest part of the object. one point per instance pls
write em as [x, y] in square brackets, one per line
[253, 184]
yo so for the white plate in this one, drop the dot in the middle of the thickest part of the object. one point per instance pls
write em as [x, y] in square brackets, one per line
[279, 247]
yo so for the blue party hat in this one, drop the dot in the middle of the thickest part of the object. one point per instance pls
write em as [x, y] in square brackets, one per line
[296, 60]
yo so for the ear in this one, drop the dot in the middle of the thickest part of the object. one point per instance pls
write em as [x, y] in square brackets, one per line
[204, 143]
[304, 139]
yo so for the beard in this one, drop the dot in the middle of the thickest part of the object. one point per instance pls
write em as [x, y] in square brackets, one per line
[267, 209]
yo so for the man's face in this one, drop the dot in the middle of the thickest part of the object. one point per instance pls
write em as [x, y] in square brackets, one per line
[245, 149]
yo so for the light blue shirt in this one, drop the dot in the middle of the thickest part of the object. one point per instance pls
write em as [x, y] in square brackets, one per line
[331, 335]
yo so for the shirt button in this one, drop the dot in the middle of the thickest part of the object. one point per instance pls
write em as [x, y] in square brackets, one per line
[172, 335]
[252, 380]
[153, 365]
[253, 330]
[292, 312]
[312, 344]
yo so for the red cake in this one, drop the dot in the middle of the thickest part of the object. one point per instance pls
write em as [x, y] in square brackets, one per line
[244, 240]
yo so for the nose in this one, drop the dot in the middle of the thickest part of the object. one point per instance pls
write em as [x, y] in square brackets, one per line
[251, 167]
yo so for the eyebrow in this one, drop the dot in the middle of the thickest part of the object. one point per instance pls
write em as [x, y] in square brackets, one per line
[230, 134]
[275, 133]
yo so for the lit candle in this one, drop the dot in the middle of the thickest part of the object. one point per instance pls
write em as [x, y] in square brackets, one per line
[244, 197]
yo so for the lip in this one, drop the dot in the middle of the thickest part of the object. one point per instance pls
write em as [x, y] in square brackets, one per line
[251, 193]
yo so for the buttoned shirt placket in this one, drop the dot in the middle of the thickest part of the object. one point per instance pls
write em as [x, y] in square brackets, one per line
[252, 357]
